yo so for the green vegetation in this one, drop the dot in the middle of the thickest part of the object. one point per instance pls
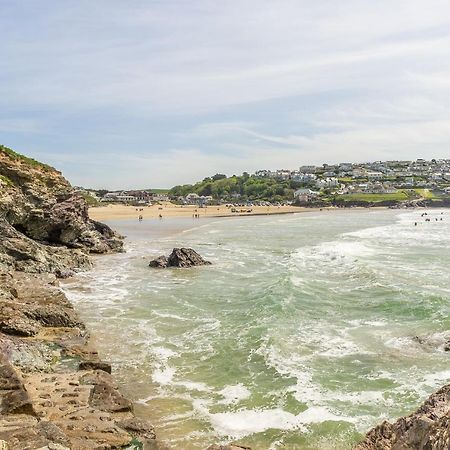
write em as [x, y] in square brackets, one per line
[91, 201]
[5, 180]
[425, 193]
[135, 444]
[374, 198]
[346, 180]
[244, 187]
[18, 157]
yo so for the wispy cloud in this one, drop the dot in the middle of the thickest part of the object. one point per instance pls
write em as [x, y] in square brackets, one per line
[222, 86]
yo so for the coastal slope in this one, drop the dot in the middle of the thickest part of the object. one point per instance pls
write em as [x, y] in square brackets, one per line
[55, 392]
[44, 223]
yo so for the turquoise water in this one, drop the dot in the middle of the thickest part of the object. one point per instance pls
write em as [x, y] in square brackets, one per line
[307, 330]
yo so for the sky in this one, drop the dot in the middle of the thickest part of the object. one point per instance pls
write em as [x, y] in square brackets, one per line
[150, 94]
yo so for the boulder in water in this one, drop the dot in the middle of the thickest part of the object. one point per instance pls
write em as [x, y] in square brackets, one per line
[180, 257]
[159, 263]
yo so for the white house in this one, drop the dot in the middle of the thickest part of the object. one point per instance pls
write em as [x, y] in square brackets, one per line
[372, 175]
[192, 198]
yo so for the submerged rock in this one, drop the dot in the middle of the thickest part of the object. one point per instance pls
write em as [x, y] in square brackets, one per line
[180, 257]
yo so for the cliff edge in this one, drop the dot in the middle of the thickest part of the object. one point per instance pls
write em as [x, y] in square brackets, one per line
[44, 223]
[55, 392]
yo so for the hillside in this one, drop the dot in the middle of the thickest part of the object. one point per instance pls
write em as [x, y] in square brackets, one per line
[44, 224]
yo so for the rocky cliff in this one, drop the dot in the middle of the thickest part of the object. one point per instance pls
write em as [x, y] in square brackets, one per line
[44, 223]
[426, 429]
[55, 392]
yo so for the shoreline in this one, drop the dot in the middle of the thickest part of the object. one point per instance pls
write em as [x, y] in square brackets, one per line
[113, 213]
[168, 210]
[197, 225]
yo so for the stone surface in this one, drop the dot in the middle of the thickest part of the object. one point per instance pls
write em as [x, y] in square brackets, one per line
[159, 263]
[44, 223]
[95, 365]
[54, 390]
[138, 428]
[107, 398]
[180, 257]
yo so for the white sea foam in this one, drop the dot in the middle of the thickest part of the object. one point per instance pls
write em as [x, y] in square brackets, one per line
[234, 394]
[163, 375]
[333, 322]
[163, 353]
[170, 316]
[249, 421]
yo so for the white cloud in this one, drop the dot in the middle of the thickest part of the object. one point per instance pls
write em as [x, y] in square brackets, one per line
[370, 79]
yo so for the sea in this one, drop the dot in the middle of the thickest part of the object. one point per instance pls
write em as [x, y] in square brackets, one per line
[306, 331]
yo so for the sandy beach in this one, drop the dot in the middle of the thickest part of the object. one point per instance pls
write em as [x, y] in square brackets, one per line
[167, 210]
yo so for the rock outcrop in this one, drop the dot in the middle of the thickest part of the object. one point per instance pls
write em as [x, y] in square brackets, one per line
[180, 257]
[426, 429]
[55, 392]
[44, 223]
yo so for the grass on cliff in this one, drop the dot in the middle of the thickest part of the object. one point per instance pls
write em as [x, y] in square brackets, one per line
[91, 201]
[4, 180]
[374, 198]
[18, 157]
[425, 193]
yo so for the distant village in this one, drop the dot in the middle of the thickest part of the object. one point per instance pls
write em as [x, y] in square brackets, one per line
[375, 181]
[380, 177]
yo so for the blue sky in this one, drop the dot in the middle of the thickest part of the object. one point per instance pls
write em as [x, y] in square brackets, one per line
[141, 94]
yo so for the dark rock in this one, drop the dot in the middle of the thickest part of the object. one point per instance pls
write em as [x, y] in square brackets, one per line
[44, 223]
[138, 428]
[9, 380]
[185, 257]
[180, 257]
[95, 365]
[52, 432]
[105, 397]
[17, 402]
[55, 316]
[18, 325]
[159, 263]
